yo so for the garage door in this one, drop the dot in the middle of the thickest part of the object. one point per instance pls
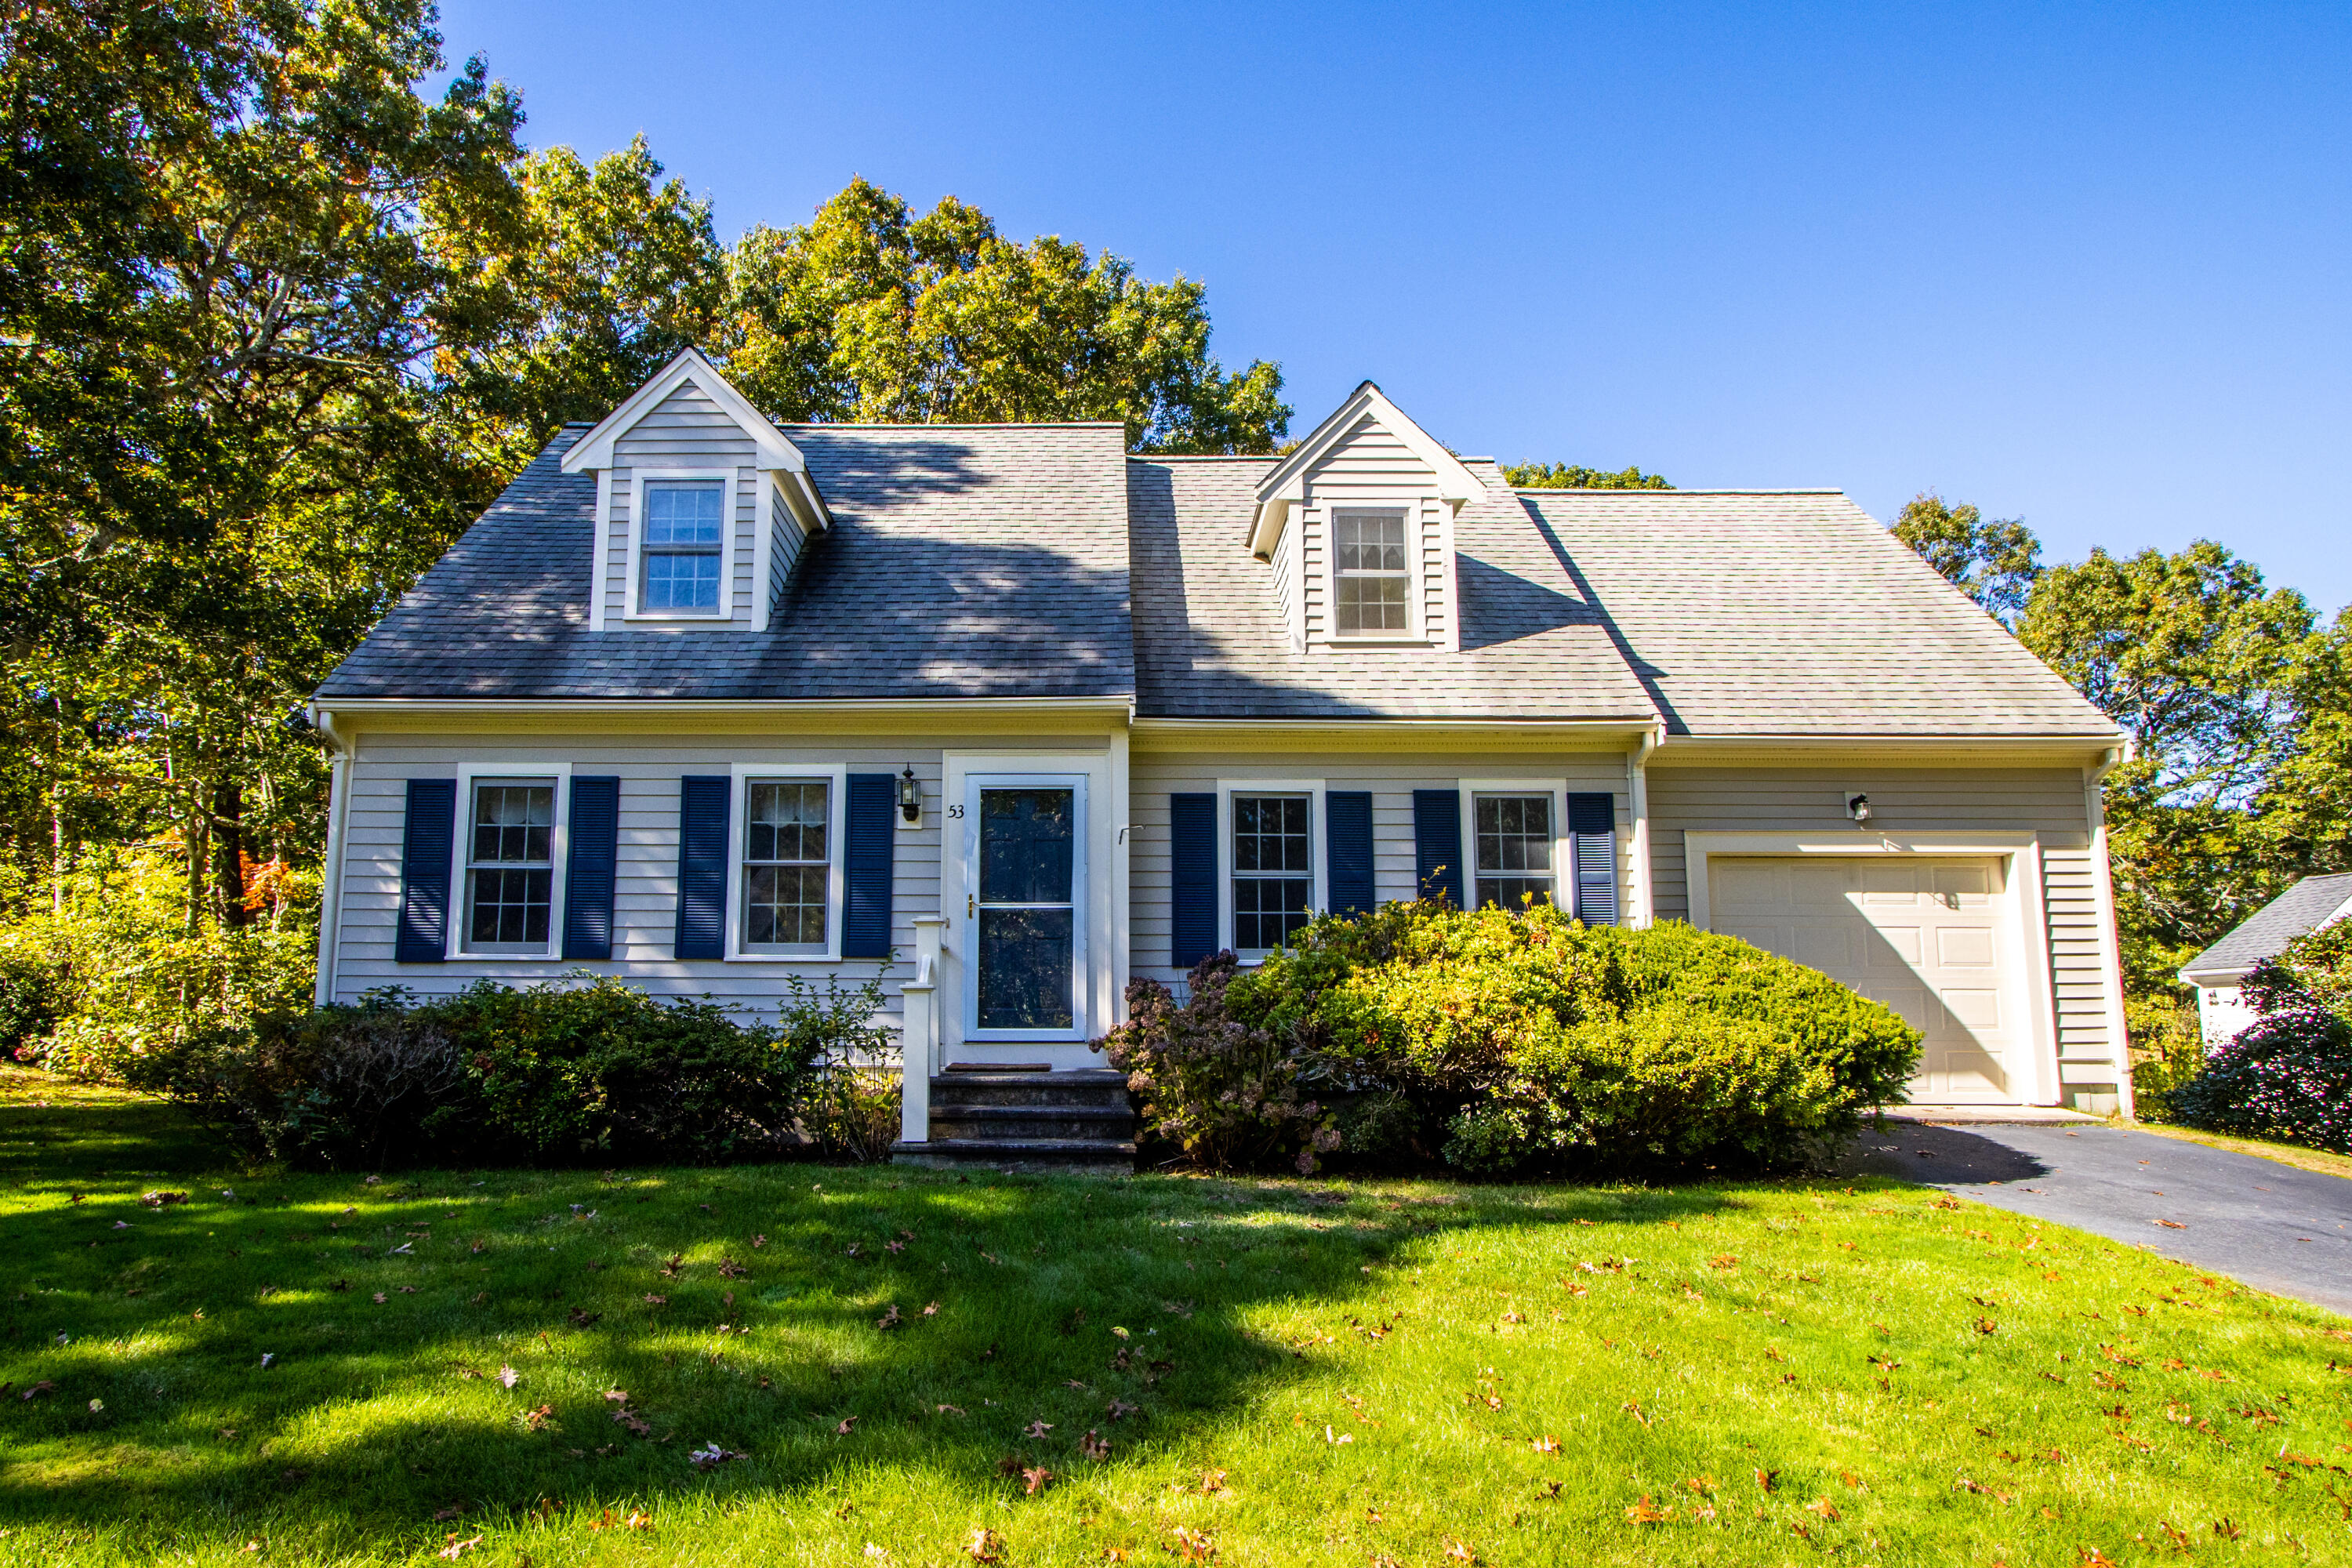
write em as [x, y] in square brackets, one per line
[1929, 938]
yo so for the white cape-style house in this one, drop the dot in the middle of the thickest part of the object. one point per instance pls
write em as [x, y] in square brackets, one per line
[706, 701]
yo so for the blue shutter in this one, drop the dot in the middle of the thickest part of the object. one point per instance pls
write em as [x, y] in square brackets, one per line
[1348, 836]
[1437, 843]
[592, 831]
[873, 815]
[1592, 836]
[702, 806]
[425, 845]
[1191, 879]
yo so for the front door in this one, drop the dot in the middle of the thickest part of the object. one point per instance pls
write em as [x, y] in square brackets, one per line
[1026, 861]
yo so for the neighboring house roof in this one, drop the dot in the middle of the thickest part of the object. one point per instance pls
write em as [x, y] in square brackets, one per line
[963, 561]
[1209, 640]
[1796, 613]
[2311, 903]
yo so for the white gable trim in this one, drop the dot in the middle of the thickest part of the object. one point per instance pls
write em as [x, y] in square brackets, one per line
[593, 451]
[1286, 485]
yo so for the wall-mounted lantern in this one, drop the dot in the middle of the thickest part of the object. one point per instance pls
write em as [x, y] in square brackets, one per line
[1858, 807]
[910, 797]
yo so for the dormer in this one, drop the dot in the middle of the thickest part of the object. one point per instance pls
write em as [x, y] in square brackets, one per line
[1357, 524]
[702, 506]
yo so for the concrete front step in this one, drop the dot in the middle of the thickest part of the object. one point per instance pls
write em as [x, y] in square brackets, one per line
[1029, 1120]
[1086, 1154]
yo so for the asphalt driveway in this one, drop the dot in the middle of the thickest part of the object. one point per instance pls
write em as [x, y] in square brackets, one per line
[2275, 1227]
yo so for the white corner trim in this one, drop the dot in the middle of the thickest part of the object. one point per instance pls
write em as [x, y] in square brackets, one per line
[558, 855]
[600, 569]
[1563, 864]
[729, 481]
[836, 877]
[2029, 924]
[595, 449]
[1317, 829]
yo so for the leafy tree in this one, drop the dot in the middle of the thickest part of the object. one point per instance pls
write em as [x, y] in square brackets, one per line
[2235, 700]
[1994, 562]
[1571, 476]
[870, 312]
[610, 272]
[213, 475]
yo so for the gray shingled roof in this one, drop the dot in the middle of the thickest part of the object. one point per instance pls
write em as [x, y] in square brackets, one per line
[993, 561]
[2266, 931]
[1796, 613]
[1210, 640]
[963, 562]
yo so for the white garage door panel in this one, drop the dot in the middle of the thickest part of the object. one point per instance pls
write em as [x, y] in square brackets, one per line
[1926, 937]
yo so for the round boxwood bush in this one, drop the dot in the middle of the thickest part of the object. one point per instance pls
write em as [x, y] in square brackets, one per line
[1513, 1040]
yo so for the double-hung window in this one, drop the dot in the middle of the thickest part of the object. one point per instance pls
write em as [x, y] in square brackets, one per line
[1273, 873]
[1372, 582]
[1515, 849]
[509, 866]
[683, 547]
[787, 865]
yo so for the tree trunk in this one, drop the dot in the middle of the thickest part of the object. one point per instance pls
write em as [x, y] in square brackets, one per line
[228, 834]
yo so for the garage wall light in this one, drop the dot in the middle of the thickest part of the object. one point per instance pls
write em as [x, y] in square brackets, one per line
[1858, 807]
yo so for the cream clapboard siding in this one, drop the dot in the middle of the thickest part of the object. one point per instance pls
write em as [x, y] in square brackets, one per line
[784, 550]
[644, 894]
[1288, 587]
[2049, 802]
[1369, 467]
[1392, 779]
[685, 430]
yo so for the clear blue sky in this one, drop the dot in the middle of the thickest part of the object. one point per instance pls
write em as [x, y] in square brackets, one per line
[2084, 264]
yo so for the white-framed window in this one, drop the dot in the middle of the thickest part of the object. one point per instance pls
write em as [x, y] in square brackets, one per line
[682, 564]
[1514, 859]
[1371, 574]
[1270, 860]
[787, 881]
[509, 860]
[1515, 837]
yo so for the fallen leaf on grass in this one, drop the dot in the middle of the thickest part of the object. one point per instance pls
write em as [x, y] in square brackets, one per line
[654, 1301]
[1194, 1546]
[1824, 1507]
[1647, 1513]
[36, 1390]
[1035, 1478]
[536, 1420]
[1547, 1445]
[1212, 1482]
[842, 1430]
[457, 1548]
[162, 1199]
[889, 1320]
[582, 1318]
[710, 1455]
[509, 1377]
[1092, 1445]
[1765, 1480]
[985, 1545]
[1037, 1428]
[1457, 1552]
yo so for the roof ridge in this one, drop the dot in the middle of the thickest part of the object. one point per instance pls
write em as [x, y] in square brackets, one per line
[1718, 491]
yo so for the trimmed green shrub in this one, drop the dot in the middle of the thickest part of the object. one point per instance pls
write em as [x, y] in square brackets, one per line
[584, 1070]
[1517, 1039]
[2288, 1075]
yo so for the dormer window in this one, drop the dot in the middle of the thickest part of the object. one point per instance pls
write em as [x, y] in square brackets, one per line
[1369, 570]
[685, 544]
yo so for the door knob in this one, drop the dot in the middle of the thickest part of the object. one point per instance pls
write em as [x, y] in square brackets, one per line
[970, 906]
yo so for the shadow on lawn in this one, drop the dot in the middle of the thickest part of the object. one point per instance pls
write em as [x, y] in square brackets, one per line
[364, 1420]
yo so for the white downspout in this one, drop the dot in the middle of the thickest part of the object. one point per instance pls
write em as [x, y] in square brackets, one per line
[1637, 785]
[330, 900]
[2103, 900]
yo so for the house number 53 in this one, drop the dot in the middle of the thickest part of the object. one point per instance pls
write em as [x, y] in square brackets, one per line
[955, 811]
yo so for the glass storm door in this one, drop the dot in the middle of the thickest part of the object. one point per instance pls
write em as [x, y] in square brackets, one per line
[1027, 908]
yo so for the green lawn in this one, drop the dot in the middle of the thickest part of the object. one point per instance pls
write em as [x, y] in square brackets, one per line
[1267, 1372]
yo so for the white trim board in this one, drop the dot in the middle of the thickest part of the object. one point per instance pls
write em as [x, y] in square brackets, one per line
[2028, 919]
